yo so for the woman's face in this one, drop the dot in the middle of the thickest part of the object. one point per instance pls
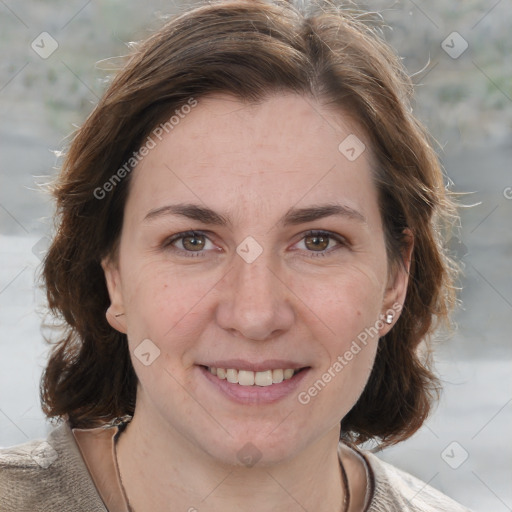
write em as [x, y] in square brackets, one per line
[252, 241]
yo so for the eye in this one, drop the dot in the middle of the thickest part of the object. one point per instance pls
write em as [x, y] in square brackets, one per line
[193, 242]
[321, 242]
[317, 242]
[189, 242]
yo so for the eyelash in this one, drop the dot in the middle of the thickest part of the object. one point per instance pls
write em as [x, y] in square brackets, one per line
[313, 254]
[342, 242]
[185, 234]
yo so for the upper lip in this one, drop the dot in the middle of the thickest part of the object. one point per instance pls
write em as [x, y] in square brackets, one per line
[243, 364]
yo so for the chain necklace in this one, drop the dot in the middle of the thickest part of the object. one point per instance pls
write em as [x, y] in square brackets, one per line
[346, 494]
[122, 426]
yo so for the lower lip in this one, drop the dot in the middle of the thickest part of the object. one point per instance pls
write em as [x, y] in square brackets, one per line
[255, 394]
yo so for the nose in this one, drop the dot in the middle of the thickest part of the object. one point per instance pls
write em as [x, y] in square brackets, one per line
[254, 303]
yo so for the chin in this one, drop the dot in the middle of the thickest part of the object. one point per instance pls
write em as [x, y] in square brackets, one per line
[254, 446]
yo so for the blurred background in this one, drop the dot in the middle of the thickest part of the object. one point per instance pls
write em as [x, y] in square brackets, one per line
[52, 73]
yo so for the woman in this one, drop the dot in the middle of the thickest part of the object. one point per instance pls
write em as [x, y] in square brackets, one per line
[248, 257]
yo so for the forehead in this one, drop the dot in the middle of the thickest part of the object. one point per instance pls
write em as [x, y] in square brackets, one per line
[257, 158]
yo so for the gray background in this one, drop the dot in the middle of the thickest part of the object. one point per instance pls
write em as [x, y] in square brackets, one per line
[467, 104]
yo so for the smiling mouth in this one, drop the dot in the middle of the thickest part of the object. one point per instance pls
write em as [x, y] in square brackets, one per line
[250, 378]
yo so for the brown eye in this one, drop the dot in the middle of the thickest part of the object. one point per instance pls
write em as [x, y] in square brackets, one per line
[194, 242]
[317, 242]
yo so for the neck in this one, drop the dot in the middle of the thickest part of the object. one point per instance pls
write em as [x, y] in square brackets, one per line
[159, 467]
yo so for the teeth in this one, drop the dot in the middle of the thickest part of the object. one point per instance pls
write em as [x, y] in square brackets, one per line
[288, 374]
[263, 378]
[277, 376]
[232, 376]
[245, 377]
[250, 378]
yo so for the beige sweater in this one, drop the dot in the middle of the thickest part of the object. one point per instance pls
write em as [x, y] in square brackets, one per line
[51, 476]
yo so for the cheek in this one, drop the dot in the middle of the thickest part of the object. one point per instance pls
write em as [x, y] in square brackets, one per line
[347, 301]
[349, 306]
[162, 305]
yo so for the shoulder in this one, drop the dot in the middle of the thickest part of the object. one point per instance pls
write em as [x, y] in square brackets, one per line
[398, 491]
[47, 475]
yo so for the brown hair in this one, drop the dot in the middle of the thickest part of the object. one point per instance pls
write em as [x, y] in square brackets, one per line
[248, 49]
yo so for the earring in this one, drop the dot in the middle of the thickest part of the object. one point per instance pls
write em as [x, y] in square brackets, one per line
[389, 318]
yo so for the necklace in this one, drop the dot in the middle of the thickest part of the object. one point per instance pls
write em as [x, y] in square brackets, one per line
[344, 477]
[123, 490]
[121, 426]
[346, 494]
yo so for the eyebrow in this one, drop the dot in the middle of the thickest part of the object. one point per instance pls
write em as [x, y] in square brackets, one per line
[302, 215]
[292, 217]
[190, 211]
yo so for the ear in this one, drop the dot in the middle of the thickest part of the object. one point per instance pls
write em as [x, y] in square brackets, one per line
[115, 312]
[396, 290]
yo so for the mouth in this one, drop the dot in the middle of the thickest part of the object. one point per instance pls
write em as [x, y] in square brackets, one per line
[264, 384]
[254, 378]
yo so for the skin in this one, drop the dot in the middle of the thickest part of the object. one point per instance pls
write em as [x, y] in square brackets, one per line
[296, 301]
